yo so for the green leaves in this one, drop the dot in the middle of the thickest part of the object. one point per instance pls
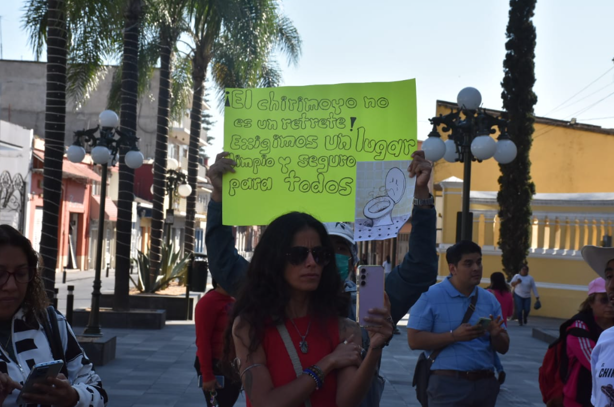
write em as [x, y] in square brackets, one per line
[172, 267]
[516, 188]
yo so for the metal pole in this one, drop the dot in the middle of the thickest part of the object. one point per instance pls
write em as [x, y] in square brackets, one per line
[167, 225]
[55, 297]
[70, 303]
[465, 226]
[189, 272]
[93, 325]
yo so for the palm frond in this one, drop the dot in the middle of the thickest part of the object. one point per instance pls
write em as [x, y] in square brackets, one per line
[34, 22]
[181, 87]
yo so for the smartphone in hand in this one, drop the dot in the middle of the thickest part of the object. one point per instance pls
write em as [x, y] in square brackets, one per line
[370, 282]
[39, 374]
[220, 381]
[483, 323]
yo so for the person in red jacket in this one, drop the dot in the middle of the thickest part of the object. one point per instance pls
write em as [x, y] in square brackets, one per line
[211, 319]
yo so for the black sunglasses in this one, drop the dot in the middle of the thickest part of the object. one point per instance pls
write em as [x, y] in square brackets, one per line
[298, 254]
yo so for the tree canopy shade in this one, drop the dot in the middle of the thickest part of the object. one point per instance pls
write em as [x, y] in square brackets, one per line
[516, 188]
[238, 39]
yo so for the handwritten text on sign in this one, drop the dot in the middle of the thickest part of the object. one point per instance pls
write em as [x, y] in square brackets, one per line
[296, 148]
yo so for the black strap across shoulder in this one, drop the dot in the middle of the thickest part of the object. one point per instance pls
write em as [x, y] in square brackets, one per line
[466, 319]
[52, 331]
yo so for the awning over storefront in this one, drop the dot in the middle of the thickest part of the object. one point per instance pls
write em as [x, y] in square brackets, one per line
[110, 209]
[72, 170]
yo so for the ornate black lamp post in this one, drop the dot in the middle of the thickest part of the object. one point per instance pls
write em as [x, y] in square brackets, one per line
[104, 151]
[176, 183]
[469, 141]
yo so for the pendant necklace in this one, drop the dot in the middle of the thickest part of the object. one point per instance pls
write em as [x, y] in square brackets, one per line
[303, 345]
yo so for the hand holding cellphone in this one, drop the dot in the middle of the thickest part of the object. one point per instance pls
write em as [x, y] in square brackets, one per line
[370, 290]
[483, 323]
[39, 374]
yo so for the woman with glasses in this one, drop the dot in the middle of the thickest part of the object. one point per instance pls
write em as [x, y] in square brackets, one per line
[27, 336]
[582, 331]
[290, 339]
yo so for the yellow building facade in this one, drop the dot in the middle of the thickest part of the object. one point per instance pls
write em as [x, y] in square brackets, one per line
[573, 206]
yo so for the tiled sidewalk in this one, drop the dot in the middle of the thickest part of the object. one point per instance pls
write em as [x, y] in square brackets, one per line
[155, 368]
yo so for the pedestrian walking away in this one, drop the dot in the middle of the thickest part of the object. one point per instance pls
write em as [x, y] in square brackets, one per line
[460, 326]
[523, 284]
[405, 283]
[32, 333]
[499, 288]
[293, 299]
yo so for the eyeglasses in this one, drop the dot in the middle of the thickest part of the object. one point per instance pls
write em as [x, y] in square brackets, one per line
[298, 254]
[22, 275]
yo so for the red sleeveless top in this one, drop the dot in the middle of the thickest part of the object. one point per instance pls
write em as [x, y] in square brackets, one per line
[322, 339]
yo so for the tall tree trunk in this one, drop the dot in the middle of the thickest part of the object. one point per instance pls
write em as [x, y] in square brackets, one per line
[160, 162]
[516, 187]
[55, 118]
[121, 300]
[200, 62]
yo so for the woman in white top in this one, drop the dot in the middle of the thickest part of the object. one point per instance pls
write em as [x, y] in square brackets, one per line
[523, 283]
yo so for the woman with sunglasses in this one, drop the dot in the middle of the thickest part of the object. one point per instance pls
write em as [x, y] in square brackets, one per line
[582, 331]
[290, 339]
[23, 338]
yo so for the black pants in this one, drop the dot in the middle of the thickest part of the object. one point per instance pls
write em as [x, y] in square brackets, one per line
[227, 396]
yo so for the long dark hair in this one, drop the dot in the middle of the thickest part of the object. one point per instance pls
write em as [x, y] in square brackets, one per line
[264, 295]
[498, 283]
[35, 303]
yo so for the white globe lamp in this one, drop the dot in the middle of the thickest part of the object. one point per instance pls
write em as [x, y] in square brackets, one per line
[184, 190]
[450, 155]
[100, 155]
[75, 153]
[172, 164]
[434, 148]
[108, 118]
[134, 159]
[151, 189]
[469, 99]
[483, 147]
[505, 151]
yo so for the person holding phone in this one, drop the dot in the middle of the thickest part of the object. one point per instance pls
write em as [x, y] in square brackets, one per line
[405, 283]
[463, 372]
[290, 337]
[210, 320]
[23, 339]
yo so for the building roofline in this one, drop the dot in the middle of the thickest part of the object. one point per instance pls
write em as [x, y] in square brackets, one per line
[542, 120]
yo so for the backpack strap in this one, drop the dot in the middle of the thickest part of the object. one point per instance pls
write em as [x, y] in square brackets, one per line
[466, 319]
[296, 362]
[52, 331]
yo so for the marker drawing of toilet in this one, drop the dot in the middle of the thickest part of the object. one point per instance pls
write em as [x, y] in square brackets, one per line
[379, 209]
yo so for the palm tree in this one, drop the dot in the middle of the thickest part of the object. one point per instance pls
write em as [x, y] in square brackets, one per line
[128, 113]
[171, 25]
[238, 38]
[55, 121]
[77, 43]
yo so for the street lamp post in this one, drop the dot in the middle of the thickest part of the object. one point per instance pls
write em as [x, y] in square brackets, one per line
[104, 151]
[469, 141]
[176, 182]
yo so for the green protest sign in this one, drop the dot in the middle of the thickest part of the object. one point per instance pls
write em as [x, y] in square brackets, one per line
[296, 148]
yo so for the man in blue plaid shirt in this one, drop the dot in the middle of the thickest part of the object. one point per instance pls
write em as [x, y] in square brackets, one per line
[463, 373]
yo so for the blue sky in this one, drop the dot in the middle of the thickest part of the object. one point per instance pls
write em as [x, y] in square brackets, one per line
[446, 45]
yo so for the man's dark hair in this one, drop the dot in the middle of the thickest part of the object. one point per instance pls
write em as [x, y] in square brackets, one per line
[455, 252]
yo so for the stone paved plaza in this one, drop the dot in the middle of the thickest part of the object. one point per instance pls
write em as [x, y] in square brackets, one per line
[155, 368]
